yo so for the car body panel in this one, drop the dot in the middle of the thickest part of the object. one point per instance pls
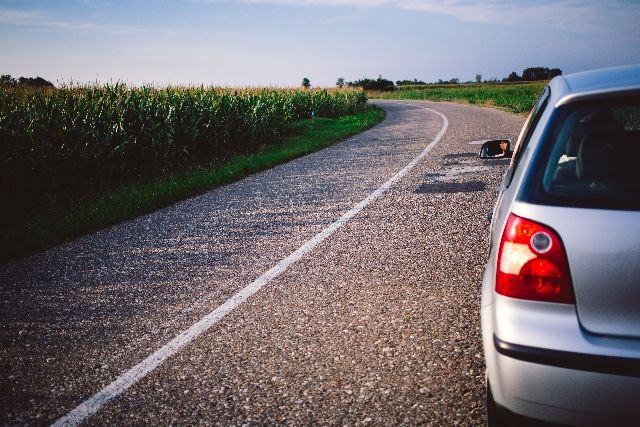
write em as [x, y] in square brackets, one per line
[607, 297]
[556, 393]
[605, 81]
[567, 396]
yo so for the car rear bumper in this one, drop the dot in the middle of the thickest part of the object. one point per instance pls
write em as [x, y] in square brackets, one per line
[545, 367]
[565, 396]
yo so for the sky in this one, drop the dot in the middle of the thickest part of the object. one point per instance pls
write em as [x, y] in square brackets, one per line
[278, 42]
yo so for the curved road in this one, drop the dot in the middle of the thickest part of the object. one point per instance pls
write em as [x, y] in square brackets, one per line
[376, 324]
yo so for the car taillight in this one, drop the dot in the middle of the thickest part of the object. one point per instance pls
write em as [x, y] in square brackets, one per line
[532, 263]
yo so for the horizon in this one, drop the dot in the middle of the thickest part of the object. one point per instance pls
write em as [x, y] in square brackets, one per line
[275, 43]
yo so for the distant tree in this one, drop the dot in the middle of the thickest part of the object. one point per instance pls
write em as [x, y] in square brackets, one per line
[7, 80]
[553, 73]
[340, 82]
[453, 81]
[410, 82]
[513, 77]
[370, 84]
[478, 78]
[306, 83]
[35, 82]
[540, 73]
[534, 73]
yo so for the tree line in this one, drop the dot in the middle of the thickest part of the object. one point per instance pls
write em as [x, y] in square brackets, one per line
[533, 74]
[39, 82]
[529, 74]
[365, 83]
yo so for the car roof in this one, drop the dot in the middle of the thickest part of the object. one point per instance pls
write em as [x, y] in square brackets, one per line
[594, 84]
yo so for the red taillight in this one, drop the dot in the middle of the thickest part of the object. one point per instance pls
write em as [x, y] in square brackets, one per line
[532, 263]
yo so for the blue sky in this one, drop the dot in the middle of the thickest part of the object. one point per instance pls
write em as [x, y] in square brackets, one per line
[278, 42]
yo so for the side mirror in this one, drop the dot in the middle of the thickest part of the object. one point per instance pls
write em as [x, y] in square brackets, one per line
[496, 149]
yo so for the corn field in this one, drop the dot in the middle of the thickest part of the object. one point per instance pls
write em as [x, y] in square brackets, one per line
[59, 144]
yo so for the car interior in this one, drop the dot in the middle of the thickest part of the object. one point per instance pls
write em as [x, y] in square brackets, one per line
[596, 154]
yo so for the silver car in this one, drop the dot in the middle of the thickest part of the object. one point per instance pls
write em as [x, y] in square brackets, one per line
[561, 289]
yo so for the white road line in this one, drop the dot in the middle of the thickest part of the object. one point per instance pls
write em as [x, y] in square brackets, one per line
[133, 375]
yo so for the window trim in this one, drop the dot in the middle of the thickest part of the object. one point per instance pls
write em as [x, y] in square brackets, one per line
[528, 129]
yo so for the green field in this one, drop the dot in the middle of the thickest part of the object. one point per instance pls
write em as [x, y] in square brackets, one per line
[515, 98]
[78, 159]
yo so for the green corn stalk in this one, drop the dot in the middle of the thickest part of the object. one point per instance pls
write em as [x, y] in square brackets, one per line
[57, 145]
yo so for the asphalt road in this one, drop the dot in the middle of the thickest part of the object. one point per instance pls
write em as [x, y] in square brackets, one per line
[378, 324]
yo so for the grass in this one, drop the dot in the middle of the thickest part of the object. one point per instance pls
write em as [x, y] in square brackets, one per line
[47, 229]
[515, 98]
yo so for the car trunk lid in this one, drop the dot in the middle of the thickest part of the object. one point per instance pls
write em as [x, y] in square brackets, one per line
[603, 250]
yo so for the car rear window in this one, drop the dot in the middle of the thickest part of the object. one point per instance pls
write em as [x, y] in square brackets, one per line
[594, 158]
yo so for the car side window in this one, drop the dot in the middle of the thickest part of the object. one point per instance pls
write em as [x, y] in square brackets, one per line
[525, 135]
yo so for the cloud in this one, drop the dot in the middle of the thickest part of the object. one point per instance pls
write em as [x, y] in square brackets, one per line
[17, 17]
[353, 3]
[22, 18]
[571, 15]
